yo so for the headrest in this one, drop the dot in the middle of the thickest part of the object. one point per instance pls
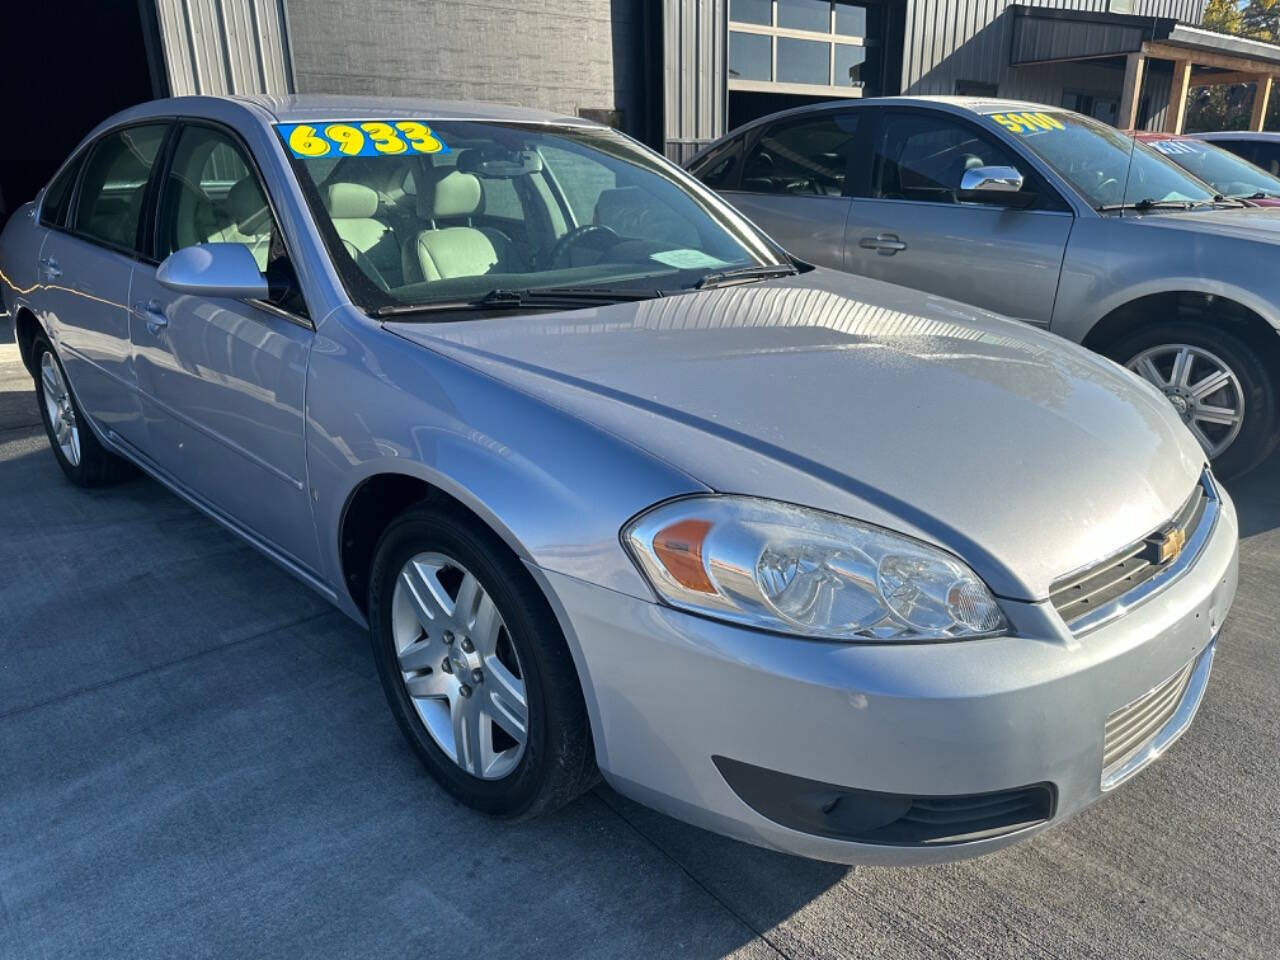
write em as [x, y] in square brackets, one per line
[350, 201]
[453, 195]
[247, 206]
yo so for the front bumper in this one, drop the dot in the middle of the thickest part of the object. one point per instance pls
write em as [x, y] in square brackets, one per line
[668, 692]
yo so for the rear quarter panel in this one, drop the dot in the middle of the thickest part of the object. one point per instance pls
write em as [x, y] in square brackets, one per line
[19, 257]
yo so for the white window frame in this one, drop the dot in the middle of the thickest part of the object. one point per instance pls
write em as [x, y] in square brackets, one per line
[773, 31]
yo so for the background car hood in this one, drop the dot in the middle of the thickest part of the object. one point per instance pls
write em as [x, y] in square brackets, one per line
[1248, 223]
[1025, 455]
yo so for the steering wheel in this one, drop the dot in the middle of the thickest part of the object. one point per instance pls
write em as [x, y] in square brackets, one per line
[605, 237]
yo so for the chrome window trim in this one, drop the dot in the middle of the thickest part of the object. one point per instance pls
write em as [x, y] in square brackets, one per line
[1169, 575]
[1172, 730]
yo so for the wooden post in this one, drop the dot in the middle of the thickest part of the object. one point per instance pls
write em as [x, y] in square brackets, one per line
[1134, 67]
[1261, 97]
[1176, 114]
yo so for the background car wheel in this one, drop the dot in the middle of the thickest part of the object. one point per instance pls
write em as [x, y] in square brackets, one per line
[83, 459]
[475, 667]
[1219, 384]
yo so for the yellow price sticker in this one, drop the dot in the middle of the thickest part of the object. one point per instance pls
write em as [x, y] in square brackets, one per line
[361, 138]
[1028, 122]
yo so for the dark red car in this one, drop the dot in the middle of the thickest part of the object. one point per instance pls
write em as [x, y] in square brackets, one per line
[1230, 175]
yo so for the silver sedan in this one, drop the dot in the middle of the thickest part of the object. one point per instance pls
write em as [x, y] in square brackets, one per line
[819, 562]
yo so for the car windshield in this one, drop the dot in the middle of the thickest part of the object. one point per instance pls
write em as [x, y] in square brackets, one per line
[436, 212]
[1230, 175]
[1095, 159]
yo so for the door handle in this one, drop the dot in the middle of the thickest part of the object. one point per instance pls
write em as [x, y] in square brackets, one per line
[49, 268]
[152, 313]
[885, 244]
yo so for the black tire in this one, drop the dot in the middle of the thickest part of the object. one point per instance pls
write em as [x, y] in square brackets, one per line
[558, 763]
[98, 466]
[1255, 366]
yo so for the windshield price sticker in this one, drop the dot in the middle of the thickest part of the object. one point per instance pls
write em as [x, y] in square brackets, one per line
[1026, 124]
[1174, 147]
[360, 138]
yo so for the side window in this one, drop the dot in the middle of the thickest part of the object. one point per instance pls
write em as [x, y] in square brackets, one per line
[211, 195]
[923, 157]
[501, 199]
[57, 199]
[115, 183]
[1266, 156]
[810, 156]
[720, 168]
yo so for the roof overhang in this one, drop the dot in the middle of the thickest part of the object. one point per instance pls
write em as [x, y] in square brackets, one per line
[1043, 35]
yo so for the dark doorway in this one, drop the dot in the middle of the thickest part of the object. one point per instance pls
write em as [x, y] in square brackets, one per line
[68, 64]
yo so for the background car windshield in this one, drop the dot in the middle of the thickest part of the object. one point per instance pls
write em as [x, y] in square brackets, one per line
[1230, 175]
[518, 206]
[1095, 159]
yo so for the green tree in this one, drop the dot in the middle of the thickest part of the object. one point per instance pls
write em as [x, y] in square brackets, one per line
[1260, 19]
[1223, 15]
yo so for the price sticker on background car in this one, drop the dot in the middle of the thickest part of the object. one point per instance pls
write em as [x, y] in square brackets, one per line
[1027, 123]
[360, 138]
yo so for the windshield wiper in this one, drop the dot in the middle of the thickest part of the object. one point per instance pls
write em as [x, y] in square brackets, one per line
[541, 297]
[1148, 204]
[745, 275]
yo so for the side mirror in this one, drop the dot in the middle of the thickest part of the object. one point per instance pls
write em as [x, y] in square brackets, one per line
[989, 182]
[214, 270]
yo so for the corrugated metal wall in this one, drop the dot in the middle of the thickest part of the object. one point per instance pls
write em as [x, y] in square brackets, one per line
[695, 74]
[225, 46]
[950, 40]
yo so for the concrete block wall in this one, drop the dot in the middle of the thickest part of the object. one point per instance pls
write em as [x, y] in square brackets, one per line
[559, 55]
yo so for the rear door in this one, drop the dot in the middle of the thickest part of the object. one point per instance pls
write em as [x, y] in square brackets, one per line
[223, 381]
[915, 229]
[86, 263]
[794, 182]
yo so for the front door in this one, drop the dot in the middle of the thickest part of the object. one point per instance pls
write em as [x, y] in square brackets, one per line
[85, 265]
[915, 229]
[223, 380]
[794, 184]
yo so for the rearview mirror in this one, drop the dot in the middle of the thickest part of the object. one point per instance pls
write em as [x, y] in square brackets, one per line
[214, 270]
[502, 165]
[991, 180]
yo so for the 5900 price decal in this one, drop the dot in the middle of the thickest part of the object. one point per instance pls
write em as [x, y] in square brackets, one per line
[1028, 122]
[360, 138]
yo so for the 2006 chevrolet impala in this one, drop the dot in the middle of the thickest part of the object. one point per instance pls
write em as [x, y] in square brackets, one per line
[819, 562]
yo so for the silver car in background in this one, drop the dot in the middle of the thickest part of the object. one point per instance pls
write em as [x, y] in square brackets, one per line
[827, 564]
[1039, 214]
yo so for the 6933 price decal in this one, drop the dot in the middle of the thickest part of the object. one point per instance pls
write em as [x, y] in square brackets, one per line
[360, 138]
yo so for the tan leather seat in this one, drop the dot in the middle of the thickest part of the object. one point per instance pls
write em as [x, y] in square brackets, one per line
[449, 251]
[251, 222]
[370, 242]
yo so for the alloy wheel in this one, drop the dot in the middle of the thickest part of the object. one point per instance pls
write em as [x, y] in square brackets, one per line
[459, 665]
[62, 414]
[1201, 387]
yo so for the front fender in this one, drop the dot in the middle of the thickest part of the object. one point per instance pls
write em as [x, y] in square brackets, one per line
[1109, 265]
[556, 489]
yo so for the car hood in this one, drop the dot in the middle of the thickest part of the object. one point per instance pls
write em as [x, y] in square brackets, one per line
[1025, 455]
[1261, 223]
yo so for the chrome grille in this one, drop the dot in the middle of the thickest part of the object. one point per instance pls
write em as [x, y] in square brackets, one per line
[1078, 596]
[1136, 724]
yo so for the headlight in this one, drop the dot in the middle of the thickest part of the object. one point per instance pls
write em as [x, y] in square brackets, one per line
[781, 567]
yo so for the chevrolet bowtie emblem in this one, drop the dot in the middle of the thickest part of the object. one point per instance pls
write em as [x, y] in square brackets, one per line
[1171, 544]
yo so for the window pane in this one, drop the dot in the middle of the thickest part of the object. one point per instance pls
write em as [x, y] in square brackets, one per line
[212, 196]
[53, 209]
[804, 61]
[750, 56]
[751, 11]
[851, 21]
[582, 179]
[805, 15]
[849, 61]
[719, 169]
[115, 179]
[802, 157]
[923, 158]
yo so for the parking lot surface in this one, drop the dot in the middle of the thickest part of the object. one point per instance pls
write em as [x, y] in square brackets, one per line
[196, 761]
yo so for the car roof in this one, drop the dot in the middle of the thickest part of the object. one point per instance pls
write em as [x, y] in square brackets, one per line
[298, 108]
[1237, 135]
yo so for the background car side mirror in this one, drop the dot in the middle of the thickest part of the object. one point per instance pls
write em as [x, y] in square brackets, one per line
[214, 270]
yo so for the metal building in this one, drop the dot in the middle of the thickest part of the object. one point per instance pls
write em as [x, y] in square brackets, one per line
[674, 73]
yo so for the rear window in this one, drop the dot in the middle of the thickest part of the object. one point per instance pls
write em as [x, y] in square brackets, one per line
[57, 199]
